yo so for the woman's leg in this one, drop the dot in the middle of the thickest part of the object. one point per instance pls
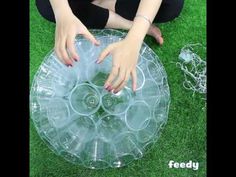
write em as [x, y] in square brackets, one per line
[122, 13]
[118, 22]
[45, 9]
[97, 15]
[169, 9]
[89, 14]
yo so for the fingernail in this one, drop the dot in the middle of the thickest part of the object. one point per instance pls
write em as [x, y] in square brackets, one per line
[115, 92]
[97, 61]
[106, 86]
[98, 43]
[109, 88]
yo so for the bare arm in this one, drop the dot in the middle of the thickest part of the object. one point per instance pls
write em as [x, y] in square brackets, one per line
[60, 7]
[148, 9]
[67, 27]
[125, 53]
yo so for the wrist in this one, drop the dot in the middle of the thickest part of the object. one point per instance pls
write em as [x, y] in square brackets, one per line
[64, 16]
[62, 12]
[133, 43]
[138, 30]
[134, 40]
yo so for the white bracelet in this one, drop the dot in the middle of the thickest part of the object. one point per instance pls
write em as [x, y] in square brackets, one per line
[144, 17]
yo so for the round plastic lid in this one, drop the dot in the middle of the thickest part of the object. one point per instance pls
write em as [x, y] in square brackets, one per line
[81, 121]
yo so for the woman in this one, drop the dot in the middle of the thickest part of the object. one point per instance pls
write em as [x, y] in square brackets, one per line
[73, 17]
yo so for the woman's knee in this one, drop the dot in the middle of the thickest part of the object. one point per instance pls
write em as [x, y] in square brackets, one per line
[45, 9]
[169, 10]
[178, 6]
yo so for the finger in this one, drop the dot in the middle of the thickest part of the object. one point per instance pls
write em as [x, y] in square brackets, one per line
[90, 37]
[57, 51]
[104, 54]
[111, 77]
[121, 86]
[56, 48]
[134, 79]
[58, 54]
[64, 54]
[119, 80]
[71, 47]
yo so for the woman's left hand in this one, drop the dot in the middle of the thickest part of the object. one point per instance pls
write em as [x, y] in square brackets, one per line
[125, 56]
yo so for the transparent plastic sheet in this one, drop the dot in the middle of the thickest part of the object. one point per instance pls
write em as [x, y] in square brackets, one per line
[89, 126]
[193, 64]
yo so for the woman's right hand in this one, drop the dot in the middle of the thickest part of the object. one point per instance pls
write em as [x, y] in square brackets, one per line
[67, 27]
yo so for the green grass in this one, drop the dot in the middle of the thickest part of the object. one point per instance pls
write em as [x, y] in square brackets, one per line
[183, 138]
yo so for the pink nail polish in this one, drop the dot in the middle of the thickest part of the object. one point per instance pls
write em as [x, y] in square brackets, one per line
[106, 86]
[134, 88]
[109, 88]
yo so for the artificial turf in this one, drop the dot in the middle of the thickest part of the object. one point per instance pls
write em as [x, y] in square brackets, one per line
[184, 136]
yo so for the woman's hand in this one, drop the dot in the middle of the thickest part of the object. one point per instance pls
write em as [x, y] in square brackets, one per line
[67, 27]
[125, 55]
